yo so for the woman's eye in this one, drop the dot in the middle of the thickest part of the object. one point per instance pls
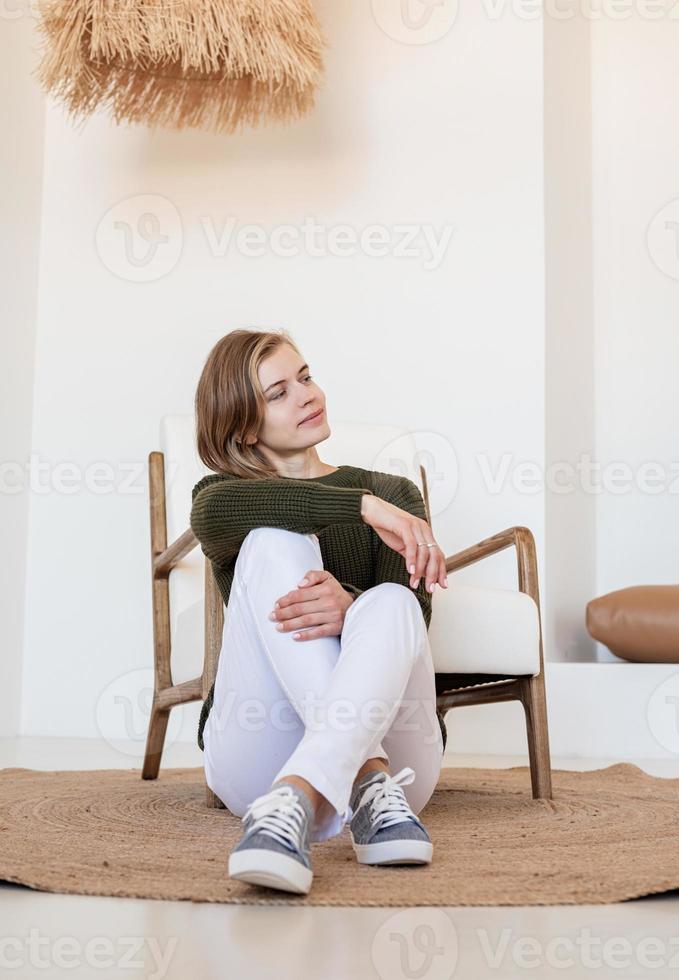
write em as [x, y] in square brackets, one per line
[280, 394]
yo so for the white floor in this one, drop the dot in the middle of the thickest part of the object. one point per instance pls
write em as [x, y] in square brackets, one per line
[46, 935]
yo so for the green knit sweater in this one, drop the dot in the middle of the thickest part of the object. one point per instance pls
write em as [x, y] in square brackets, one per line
[225, 509]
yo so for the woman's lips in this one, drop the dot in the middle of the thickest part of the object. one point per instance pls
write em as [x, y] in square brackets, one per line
[314, 418]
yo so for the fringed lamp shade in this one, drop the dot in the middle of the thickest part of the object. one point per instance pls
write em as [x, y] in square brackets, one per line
[215, 65]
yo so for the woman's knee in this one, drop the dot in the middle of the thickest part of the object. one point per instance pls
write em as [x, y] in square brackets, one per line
[403, 609]
[279, 543]
[398, 595]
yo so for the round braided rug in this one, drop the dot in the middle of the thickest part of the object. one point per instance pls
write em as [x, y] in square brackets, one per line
[607, 835]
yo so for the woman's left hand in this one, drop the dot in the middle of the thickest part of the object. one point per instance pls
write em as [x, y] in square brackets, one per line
[316, 608]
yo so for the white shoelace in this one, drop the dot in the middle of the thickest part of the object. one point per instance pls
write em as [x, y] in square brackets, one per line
[388, 805]
[278, 814]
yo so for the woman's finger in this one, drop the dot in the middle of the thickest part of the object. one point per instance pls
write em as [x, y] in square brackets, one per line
[327, 629]
[422, 559]
[410, 542]
[432, 568]
[422, 552]
[426, 566]
[443, 574]
[286, 620]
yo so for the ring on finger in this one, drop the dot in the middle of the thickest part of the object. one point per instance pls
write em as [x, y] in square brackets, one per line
[425, 544]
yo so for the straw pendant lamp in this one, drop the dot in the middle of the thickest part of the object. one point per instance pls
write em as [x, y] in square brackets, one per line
[209, 64]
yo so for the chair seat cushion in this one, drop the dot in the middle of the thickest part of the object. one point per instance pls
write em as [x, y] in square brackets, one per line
[476, 630]
[639, 623]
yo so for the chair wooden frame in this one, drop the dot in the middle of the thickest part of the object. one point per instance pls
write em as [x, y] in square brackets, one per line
[452, 690]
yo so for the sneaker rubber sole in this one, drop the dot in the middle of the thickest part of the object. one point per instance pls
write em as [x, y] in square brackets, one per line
[393, 851]
[263, 867]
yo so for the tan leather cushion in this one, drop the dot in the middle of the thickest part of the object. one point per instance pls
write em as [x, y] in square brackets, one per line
[640, 623]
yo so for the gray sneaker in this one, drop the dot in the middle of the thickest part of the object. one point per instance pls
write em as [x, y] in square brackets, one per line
[275, 847]
[383, 828]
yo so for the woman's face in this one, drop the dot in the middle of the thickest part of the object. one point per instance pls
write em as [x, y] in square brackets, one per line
[291, 395]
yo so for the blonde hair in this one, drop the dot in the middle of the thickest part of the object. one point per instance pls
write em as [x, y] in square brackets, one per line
[230, 403]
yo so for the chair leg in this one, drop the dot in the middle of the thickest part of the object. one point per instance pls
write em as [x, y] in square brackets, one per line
[214, 625]
[535, 707]
[155, 740]
[160, 591]
[212, 801]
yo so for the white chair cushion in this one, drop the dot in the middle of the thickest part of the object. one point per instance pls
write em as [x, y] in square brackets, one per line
[483, 630]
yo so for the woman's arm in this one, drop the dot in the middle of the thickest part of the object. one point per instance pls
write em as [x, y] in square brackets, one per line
[389, 565]
[226, 509]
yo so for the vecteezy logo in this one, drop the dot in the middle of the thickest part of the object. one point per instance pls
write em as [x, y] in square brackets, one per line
[415, 21]
[662, 714]
[416, 944]
[404, 454]
[140, 238]
[662, 239]
[123, 713]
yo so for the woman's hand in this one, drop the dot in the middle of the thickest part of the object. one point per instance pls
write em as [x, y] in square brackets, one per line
[407, 535]
[318, 607]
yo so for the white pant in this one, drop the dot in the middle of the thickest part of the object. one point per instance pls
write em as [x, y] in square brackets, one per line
[372, 689]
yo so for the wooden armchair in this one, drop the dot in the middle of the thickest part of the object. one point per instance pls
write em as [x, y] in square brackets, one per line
[486, 643]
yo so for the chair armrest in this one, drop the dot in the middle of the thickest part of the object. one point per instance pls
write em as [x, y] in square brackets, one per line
[524, 542]
[165, 560]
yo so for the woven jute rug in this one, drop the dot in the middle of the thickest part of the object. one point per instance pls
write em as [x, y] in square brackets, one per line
[607, 835]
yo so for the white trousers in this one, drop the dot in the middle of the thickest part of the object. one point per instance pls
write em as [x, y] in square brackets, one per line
[318, 708]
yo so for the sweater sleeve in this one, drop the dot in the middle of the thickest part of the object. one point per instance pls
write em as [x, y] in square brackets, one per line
[390, 566]
[224, 511]
[353, 589]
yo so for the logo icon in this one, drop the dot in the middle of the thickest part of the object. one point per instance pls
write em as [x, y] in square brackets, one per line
[140, 238]
[415, 21]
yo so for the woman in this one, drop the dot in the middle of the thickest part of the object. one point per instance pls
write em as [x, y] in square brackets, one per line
[328, 574]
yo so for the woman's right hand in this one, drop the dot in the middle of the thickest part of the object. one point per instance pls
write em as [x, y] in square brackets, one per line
[407, 535]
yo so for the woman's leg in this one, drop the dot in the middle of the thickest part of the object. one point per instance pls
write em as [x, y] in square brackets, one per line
[380, 701]
[253, 726]
[382, 661]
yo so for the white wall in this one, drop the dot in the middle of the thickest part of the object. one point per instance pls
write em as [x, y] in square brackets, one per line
[448, 132]
[570, 512]
[635, 80]
[611, 163]
[21, 117]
